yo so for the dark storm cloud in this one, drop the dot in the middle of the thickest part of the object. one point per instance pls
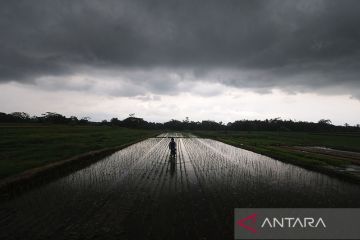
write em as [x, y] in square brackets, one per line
[293, 45]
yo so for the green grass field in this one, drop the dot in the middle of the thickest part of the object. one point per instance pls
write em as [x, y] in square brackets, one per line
[24, 146]
[281, 146]
[342, 141]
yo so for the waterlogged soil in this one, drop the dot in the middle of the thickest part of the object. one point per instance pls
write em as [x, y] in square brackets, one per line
[351, 156]
[142, 193]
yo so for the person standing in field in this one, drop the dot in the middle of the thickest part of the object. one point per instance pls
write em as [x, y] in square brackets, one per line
[172, 147]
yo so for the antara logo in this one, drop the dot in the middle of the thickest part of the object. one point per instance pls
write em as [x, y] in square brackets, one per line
[284, 222]
[290, 222]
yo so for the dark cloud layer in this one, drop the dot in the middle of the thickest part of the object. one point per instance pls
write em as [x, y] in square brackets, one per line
[293, 45]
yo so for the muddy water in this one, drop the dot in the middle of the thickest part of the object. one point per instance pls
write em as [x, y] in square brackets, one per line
[139, 193]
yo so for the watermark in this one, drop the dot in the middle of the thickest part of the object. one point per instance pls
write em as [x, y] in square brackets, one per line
[297, 223]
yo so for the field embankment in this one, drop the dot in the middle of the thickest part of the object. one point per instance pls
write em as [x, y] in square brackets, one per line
[26, 146]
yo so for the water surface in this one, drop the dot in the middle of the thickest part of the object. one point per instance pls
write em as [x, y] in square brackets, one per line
[192, 197]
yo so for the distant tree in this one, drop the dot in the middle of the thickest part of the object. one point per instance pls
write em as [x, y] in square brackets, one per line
[84, 120]
[134, 122]
[6, 117]
[20, 116]
[174, 124]
[74, 119]
[275, 119]
[115, 121]
[210, 125]
[325, 121]
[53, 117]
[104, 122]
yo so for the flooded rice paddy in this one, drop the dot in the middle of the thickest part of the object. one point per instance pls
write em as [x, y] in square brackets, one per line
[140, 193]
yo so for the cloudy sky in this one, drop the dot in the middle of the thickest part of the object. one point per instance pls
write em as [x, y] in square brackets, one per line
[163, 59]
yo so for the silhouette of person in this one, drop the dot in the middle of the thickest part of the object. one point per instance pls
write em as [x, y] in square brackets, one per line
[172, 147]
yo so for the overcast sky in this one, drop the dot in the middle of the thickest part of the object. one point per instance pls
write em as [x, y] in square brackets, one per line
[161, 59]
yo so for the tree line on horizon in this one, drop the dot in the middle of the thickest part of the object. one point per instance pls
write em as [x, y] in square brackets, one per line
[275, 124]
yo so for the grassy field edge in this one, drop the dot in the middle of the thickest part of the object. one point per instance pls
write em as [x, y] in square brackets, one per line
[35, 176]
[27, 146]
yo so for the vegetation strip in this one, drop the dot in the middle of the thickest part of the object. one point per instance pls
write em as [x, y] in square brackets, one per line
[27, 146]
[35, 176]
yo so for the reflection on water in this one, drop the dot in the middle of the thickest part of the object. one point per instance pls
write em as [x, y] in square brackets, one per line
[172, 160]
[262, 181]
[218, 167]
[204, 171]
